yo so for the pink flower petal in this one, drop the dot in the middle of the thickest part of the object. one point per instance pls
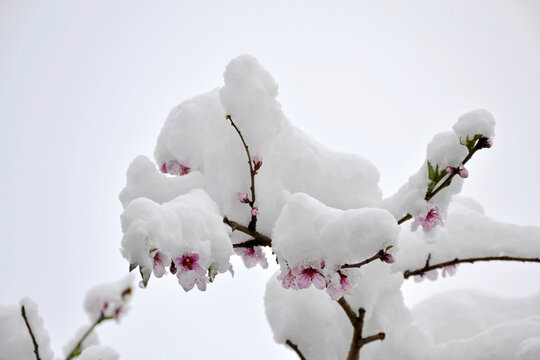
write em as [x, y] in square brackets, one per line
[242, 197]
[303, 281]
[319, 281]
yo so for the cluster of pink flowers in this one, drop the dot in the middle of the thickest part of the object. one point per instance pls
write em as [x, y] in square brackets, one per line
[302, 276]
[448, 270]
[186, 267]
[174, 167]
[428, 222]
[252, 256]
[461, 171]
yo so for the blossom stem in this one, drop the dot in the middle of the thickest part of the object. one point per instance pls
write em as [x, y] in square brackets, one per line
[253, 222]
[36, 346]
[77, 349]
[295, 348]
[378, 255]
[357, 321]
[262, 240]
[456, 261]
[430, 194]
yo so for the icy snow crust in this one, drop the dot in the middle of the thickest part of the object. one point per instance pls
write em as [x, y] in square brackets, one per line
[322, 207]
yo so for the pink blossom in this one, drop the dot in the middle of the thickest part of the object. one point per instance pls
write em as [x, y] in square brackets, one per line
[257, 161]
[340, 284]
[306, 275]
[449, 170]
[174, 167]
[189, 272]
[288, 280]
[387, 258]
[429, 222]
[242, 197]
[255, 211]
[161, 260]
[252, 256]
[432, 275]
[464, 173]
[449, 270]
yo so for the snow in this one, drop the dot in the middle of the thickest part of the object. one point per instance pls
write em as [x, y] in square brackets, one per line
[477, 122]
[323, 209]
[96, 352]
[15, 339]
[197, 134]
[144, 180]
[109, 300]
[467, 233]
[90, 340]
[308, 231]
[190, 223]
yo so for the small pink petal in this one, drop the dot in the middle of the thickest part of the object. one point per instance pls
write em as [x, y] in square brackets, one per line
[464, 173]
[164, 168]
[257, 161]
[303, 281]
[432, 275]
[184, 169]
[242, 197]
[449, 170]
[319, 281]
[388, 258]
[254, 211]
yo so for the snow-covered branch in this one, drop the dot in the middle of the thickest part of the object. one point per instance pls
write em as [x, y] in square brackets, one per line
[452, 263]
[36, 346]
[357, 321]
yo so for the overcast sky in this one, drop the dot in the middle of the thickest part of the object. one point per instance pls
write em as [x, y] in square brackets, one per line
[85, 87]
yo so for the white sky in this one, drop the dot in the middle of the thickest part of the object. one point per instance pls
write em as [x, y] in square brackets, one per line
[85, 87]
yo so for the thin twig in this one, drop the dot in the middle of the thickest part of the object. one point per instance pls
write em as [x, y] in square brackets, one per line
[263, 240]
[36, 346]
[456, 261]
[378, 255]
[77, 349]
[296, 349]
[430, 194]
[357, 321]
[253, 222]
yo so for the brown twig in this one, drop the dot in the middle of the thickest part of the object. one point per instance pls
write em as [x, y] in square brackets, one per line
[295, 348]
[253, 222]
[77, 349]
[36, 346]
[456, 261]
[262, 240]
[430, 194]
[357, 321]
[378, 255]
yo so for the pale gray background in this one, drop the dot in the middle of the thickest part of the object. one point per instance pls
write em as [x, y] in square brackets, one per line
[86, 85]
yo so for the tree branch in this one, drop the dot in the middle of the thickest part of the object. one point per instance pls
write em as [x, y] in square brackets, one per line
[36, 346]
[253, 222]
[77, 349]
[456, 261]
[357, 321]
[262, 240]
[378, 255]
[295, 348]
[481, 143]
